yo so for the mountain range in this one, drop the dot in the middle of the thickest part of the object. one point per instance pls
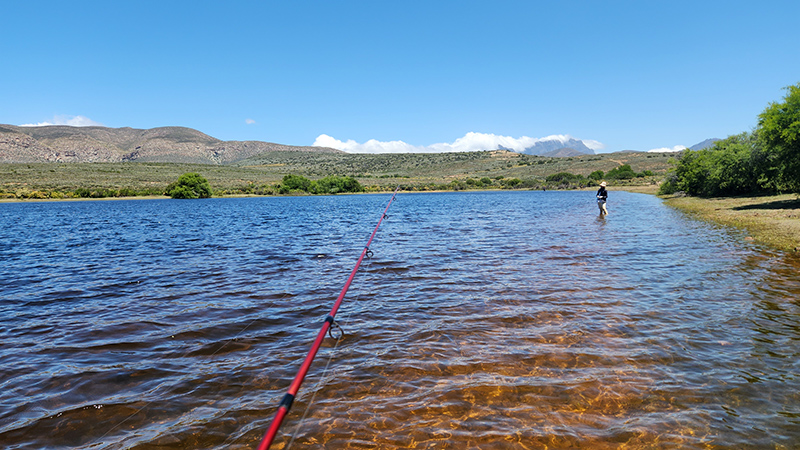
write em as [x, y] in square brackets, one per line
[61, 143]
[558, 147]
[57, 143]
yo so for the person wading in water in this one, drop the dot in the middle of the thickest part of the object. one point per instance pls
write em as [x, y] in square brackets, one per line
[602, 195]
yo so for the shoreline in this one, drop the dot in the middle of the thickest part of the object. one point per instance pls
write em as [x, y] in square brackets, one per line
[772, 220]
[82, 199]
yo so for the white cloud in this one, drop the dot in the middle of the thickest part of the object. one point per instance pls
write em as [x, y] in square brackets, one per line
[677, 148]
[73, 121]
[249, 121]
[469, 143]
[371, 146]
[594, 145]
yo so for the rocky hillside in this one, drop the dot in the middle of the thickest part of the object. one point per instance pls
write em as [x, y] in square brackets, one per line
[552, 146]
[57, 143]
[563, 153]
[708, 143]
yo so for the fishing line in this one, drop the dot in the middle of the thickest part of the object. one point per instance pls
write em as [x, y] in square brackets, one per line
[377, 303]
[189, 350]
[330, 325]
[323, 378]
[288, 399]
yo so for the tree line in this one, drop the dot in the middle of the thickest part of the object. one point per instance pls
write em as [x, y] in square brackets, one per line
[193, 185]
[763, 161]
[332, 184]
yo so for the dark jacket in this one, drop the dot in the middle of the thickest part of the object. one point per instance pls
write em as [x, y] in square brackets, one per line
[602, 193]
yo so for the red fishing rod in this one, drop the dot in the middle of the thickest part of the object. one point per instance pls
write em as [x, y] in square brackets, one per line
[288, 399]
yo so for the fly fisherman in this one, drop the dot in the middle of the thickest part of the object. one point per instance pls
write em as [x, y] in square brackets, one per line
[602, 195]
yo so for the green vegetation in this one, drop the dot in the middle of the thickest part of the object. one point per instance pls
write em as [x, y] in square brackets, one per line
[766, 161]
[737, 165]
[263, 175]
[623, 172]
[334, 185]
[189, 186]
[779, 129]
[597, 175]
[562, 176]
[566, 180]
[328, 185]
[295, 183]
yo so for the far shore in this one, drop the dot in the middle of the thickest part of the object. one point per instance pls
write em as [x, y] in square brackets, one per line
[80, 199]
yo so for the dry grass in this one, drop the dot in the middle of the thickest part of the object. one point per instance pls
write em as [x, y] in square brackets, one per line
[642, 189]
[770, 220]
[374, 171]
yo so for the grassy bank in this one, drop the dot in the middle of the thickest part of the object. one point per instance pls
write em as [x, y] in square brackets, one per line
[650, 188]
[769, 220]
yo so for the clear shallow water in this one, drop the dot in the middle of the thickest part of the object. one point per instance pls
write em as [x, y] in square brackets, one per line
[484, 320]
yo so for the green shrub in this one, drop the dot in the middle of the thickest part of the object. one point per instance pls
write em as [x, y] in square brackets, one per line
[670, 184]
[597, 175]
[295, 183]
[189, 186]
[764, 161]
[82, 192]
[457, 185]
[779, 130]
[562, 176]
[335, 184]
[623, 172]
[126, 192]
[734, 166]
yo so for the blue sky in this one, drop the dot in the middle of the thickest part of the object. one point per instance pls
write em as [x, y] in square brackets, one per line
[403, 76]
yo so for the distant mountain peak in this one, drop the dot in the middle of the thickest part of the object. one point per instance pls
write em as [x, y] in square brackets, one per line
[708, 143]
[555, 144]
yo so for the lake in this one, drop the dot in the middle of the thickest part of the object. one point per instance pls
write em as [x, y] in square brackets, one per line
[484, 320]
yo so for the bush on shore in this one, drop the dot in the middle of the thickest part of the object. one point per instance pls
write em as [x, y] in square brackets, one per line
[329, 185]
[765, 161]
[189, 186]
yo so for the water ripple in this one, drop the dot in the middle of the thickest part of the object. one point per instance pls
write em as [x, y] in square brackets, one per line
[483, 320]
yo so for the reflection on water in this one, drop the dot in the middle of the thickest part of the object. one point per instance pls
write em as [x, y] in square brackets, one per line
[484, 320]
